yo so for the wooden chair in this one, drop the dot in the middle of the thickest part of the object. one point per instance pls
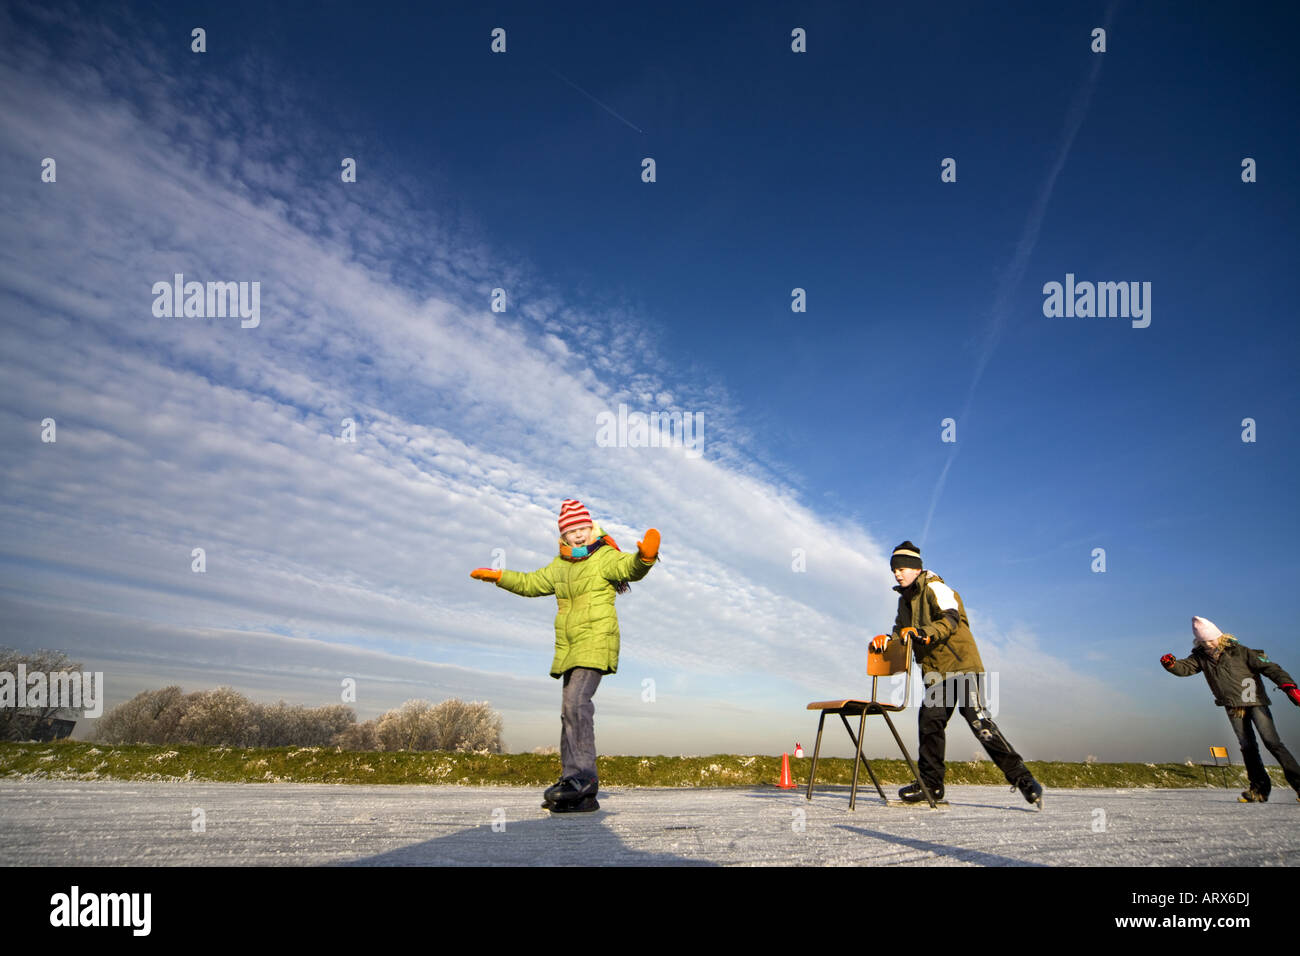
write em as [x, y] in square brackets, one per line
[1217, 754]
[895, 659]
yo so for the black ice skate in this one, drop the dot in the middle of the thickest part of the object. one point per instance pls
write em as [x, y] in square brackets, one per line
[572, 795]
[554, 790]
[913, 793]
[585, 805]
[1031, 789]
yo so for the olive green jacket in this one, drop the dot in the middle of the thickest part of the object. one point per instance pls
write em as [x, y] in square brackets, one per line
[1234, 677]
[586, 627]
[936, 610]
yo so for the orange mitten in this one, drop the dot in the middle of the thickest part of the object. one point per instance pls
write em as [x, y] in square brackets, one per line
[916, 635]
[879, 643]
[486, 574]
[649, 547]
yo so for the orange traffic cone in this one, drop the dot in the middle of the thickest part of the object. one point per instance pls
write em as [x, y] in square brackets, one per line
[786, 783]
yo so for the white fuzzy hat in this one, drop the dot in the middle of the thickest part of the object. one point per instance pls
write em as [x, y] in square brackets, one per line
[1204, 631]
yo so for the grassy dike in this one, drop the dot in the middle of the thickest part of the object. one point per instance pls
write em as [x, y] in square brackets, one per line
[75, 760]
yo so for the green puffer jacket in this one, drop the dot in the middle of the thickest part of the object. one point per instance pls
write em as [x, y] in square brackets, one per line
[937, 612]
[586, 627]
[1234, 677]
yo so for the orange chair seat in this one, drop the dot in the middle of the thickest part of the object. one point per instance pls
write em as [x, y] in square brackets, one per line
[851, 705]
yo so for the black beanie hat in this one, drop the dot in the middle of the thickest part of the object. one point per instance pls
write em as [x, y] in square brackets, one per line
[906, 555]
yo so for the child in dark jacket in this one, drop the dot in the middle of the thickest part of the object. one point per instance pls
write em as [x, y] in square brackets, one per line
[1233, 672]
[945, 650]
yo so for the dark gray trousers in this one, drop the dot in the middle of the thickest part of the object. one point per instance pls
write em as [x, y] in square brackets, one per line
[1259, 779]
[577, 723]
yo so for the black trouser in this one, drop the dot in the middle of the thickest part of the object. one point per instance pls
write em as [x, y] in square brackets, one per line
[964, 691]
[1255, 772]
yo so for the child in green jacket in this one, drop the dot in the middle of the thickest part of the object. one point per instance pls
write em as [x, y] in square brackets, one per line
[584, 577]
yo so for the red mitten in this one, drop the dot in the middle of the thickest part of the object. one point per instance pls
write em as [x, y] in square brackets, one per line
[649, 547]
[1291, 691]
[486, 574]
[1167, 661]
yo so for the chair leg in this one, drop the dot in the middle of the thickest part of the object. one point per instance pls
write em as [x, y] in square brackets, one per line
[812, 774]
[911, 766]
[865, 762]
[857, 759]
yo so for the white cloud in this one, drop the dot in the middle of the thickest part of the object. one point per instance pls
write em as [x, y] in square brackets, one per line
[471, 428]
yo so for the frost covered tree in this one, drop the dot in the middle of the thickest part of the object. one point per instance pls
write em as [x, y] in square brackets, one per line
[450, 725]
[17, 723]
[294, 725]
[220, 717]
[150, 717]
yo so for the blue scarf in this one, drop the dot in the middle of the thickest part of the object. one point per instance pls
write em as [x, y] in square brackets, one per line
[587, 550]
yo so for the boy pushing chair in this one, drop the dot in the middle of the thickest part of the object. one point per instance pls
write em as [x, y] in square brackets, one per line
[949, 659]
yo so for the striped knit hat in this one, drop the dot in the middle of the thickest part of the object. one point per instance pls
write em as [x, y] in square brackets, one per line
[573, 515]
[906, 555]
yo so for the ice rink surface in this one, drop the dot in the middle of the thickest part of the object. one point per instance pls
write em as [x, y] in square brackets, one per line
[109, 823]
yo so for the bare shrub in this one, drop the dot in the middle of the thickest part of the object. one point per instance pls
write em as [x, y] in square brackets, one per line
[357, 737]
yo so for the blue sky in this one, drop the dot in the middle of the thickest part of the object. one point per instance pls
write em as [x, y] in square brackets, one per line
[775, 170]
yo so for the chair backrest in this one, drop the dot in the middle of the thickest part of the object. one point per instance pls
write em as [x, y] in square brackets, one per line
[1219, 753]
[896, 659]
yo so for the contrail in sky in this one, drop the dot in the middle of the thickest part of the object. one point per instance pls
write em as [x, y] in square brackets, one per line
[594, 100]
[1015, 270]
